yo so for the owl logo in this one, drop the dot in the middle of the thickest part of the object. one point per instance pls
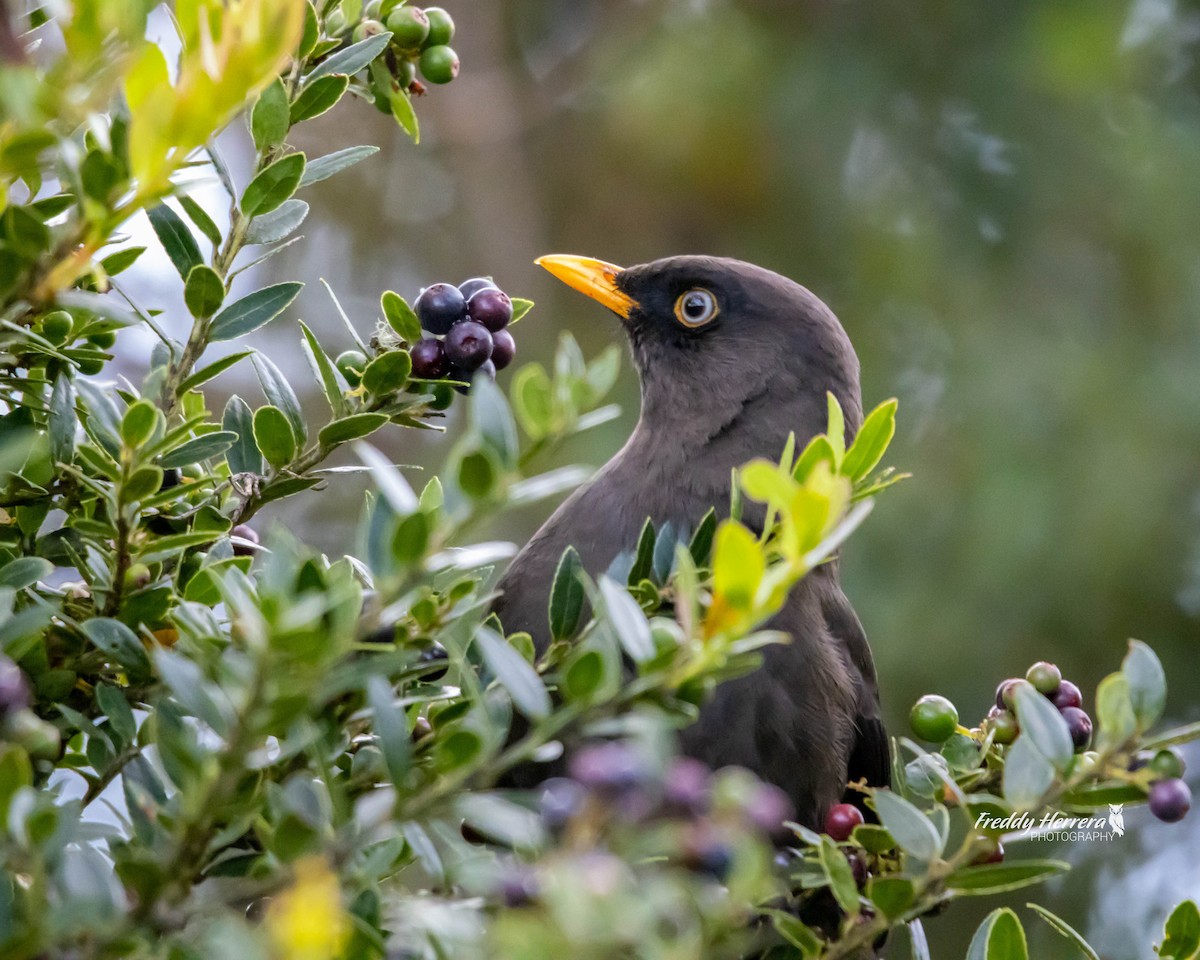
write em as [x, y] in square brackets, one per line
[1116, 819]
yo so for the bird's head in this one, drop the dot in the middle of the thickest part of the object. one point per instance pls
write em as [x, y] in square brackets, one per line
[732, 346]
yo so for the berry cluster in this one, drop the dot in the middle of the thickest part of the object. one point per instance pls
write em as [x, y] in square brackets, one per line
[1047, 680]
[420, 41]
[470, 319]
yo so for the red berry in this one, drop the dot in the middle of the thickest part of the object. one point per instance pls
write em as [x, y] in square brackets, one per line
[429, 359]
[504, 348]
[491, 307]
[841, 820]
[1067, 695]
[1170, 800]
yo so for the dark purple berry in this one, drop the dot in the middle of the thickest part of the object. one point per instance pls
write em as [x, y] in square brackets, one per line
[469, 288]
[244, 532]
[14, 691]
[429, 359]
[1045, 677]
[610, 768]
[1005, 693]
[841, 820]
[518, 886]
[560, 800]
[504, 348]
[687, 787]
[439, 307]
[468, 345]
[170, 479]
[993, 853]
[1080, 725]
[435, 655]
[1067, 695]
[1170, 800]
[705, 853]
[492, 308]
[858, 868]
[768, 807]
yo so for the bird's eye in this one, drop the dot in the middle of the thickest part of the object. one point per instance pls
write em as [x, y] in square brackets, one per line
[696, 308]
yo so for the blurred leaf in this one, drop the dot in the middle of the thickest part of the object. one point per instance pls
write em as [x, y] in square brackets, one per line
[15, 773]
[253, 310]
[1182, 933]
[353, 58]
[1042, 723]
[892, 895]
[738, 566]
[491, 416]
[120, 643]
[351, 428]
[388, 480]
[204, 223]
[274, 437]
[273, 185]
[243, 456]
[1147, 684]
[1059, 925]
[999, 937]
[533, 400]
[1115, 718]
[389, 728]
[872, 441]
[176, 238]
[701, 543]
[477, 474]
[643, 554]
[514, 674]
[278, 224]
[1027, 775]
[566, 596]
[991, 878]
[279, 393]
[324, 167]
[199, 448]
[204, 374]
[841, 877]
[627, 620]
[387, 373]
[24, 572]
[910, 828]
[318, 97]
[836, 432]
[794, 932]
[203, 292]
[270, 117]
[501, 820]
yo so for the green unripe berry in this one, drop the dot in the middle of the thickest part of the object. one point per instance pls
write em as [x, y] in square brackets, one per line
[350, 365]
[137, 576]
[41, 740]
[335, 23]
[366, 29]
[1045, 677]
[56, 326]
[441, 27]
[90, 366]
[405, 73]
[1003, 726]
[373, 10]
[439, 64]
[443, 396]
[1167, 765]
[104, 340]
[1084, 764]
[409, 27]
[933, 718]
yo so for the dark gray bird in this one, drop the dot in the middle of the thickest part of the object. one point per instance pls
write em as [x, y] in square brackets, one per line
[732, 357]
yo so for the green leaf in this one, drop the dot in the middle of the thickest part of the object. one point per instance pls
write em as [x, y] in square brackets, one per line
[276, 225]
[999, 937]
[1042, 723]
[911, 829]
[520, 308]
[324, 167]
[991, 878]
[1059, 925]
[566, 596]
[411, 539]
[217, 367]
[836, 432]
[273, 435]
[1181, 933]
[627, 620]
[116, 708]
[327, 376]
[243, 456]
[387, 373]
[491, 416]
[176, 238]
[1102, 794]
[352, 58]
[122, 260]
[1115, 718]
[204, 291]
[585, 675]
[24, 572]
[199, 448]
[142, 483]
[477, 474]
[318, 97]
[137, 426]
[270, 118]
[892, 895]
[279, 393]
[253, 311]
[1027, 775]
[273, 185]
[794, 932]
[501, 820]
[872, 441]
[533, 400]
[390, 728]
[514, 674]
[819, 450]
[400, 316]
[701, 543]
[16, 772]
[738, 566]
[841, 876]
[204, 223]
[62, 420]
[1147, 684]
[643, 555]
[351, 428]
[120, 643]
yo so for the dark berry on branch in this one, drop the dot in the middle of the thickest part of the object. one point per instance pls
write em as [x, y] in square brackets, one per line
[14, 691]
[994, 853]
[170, 479]
[1080, 725]
[409, 27]
[687, 787]
[560, 800]
[1045, 677]
[706, 854]
[1170, 800]
[429, 359]
[1167, 765]
[471, 287]
[858, 868]
[504, 348]
[441, 26]
[608, 768]
[468, 345]
[933, 718]
[518, 886]
[439, 307]
[439, 64]
[244, 531]
[1004, 693]
[492, 308]
[435, 655]
[1067, 695]
[841, 820]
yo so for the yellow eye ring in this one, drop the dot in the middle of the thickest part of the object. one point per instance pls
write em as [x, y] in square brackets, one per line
[696, 307]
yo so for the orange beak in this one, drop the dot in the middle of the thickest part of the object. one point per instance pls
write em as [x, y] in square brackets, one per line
[595, 278]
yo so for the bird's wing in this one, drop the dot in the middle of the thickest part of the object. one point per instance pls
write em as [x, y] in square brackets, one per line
[870, 755]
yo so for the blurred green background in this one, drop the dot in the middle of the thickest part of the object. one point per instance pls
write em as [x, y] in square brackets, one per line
[998, 200]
